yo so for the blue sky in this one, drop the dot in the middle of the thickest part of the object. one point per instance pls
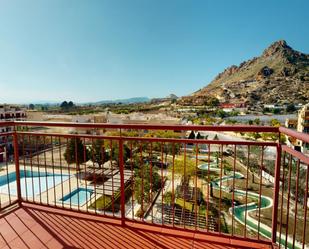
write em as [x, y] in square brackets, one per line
[57, 50]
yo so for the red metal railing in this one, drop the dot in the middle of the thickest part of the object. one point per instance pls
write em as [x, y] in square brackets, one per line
[143, 173]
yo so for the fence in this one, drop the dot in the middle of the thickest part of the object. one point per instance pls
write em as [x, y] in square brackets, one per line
[153, 174]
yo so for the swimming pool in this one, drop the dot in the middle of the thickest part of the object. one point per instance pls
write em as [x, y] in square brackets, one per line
[78, 196]
[32, 183]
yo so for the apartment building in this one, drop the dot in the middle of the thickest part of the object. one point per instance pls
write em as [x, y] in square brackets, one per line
[301, 124]
[8, 113]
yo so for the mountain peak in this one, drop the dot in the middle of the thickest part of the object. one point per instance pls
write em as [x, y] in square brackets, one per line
[279, 75]
[276, 47]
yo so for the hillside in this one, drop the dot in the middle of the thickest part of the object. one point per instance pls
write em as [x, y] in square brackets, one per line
[280, 75]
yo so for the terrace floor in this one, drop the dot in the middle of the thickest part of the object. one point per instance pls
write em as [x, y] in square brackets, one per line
[34, 226]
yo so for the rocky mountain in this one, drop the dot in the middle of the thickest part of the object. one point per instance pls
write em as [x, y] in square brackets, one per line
[280, 75]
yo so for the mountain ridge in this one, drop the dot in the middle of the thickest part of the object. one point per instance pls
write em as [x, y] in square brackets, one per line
[280, 74]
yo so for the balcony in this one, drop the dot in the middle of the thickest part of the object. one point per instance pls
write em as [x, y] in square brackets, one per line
[150, 186]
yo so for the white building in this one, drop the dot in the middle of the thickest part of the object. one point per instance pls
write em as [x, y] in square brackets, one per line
[8, 113]
[301, 124]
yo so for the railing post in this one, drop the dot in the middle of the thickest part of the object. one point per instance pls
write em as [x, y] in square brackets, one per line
[16, 159]
[276, 194]
[122, 187]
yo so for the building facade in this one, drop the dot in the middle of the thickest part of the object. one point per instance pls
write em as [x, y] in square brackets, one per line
[8, 113]
[301, 124]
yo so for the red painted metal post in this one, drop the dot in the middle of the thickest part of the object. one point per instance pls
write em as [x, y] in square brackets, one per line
[122, 187]
[17, 172]
[276, 194]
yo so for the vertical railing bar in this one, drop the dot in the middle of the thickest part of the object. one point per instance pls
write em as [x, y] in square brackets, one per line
[69, 171]
[112, 168]
[150, 179]
[45, 167]
[183, 189]
[122, 187]
[247, 180]
[296, 200]
[220, 190]
[288, 202]
[76, 170]
[104, 157]
[142, 176]
[208, 189]
[305, 206]
[17, 170]
[38, 166]
[85, 173]
[24, 160]
[95, 179]
[7, 170]
[260, 191]
[162, 184]
[103, 185]
[53, 166]
[233, 194]
[31, 168]
[132, 178]
[195, 191]
[276, 194]
[61, 171]
[173, 191]
[282, 197]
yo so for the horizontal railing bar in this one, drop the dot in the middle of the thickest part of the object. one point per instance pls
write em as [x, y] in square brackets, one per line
[6, 123]
[153, 139]
[296, 154]
[295, 134]
[200, 141]
[67, 135]
[4, 134]
[227, 128]
[8, 205]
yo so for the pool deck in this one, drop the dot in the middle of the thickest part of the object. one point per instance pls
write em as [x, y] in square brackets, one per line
[35, 226]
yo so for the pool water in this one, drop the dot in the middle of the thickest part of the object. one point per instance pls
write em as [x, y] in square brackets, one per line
[78, 196]
[32, 183]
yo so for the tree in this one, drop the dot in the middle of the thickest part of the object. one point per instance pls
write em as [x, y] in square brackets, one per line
[216, 137]
[255, 135]
[168, 198]
[70, 104]
[276, 111]
[199, 136]
[64, 105]
[113, 150]
[191, 135]
[76, 152]
[213, 102]
[290, 108]
[257, 121]
[142, 188]
[31, 106]
[98, 152]
[221, 113]
[275, 122]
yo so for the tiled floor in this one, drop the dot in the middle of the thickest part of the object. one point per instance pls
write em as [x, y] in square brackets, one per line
[41, 227]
